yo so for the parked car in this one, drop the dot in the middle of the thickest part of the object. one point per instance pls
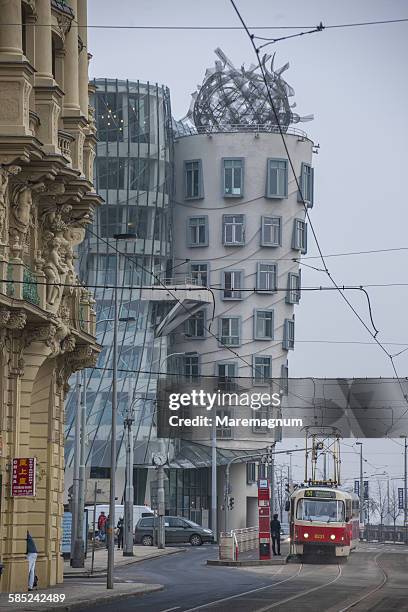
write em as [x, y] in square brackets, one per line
[177, 530]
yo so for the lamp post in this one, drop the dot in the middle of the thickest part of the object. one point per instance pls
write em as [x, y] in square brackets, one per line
[405, 487]
[110, 531]
[360, 444]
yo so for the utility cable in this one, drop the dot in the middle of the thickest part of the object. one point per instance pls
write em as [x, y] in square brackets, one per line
[278, 123]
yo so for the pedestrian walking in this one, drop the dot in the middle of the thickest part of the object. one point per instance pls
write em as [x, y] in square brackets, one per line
[108, 531]
[120, 532]
[102, 526]
[275, 533]
[32, 558]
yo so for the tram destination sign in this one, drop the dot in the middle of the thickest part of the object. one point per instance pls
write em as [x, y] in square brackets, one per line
[321, 494]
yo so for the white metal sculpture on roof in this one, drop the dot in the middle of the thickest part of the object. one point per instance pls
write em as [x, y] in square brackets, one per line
[232, 98]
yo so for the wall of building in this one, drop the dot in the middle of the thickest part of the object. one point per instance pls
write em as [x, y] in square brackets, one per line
[47, 322]
[253, 149]
[133, 174]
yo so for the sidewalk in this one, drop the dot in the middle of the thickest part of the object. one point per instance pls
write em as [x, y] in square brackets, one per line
[80, 594]
[140, 553]
[77, 596]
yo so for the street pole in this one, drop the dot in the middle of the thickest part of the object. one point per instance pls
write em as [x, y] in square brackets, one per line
[110, 530]
[405, 488]
[160, 499]
[129, 494]
[214, 478]
[360, 444]
[75, 484]
[79, 545]
[272, 476]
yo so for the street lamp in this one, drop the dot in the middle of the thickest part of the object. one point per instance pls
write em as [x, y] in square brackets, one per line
[111, 542]
[360, 444]
[405, 486]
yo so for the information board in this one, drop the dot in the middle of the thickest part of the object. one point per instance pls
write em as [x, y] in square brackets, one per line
[23, 477]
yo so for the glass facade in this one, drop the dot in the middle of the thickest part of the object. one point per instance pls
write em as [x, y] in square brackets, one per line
[133, 174]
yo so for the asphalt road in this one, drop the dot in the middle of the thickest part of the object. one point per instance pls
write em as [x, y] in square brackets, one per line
[374, 578]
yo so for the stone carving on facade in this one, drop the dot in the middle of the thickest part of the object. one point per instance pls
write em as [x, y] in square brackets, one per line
[61, 231]
[17, 320]
[64, 25]
[32, 7]
[54, 267]
[21, 209]
[5, 173]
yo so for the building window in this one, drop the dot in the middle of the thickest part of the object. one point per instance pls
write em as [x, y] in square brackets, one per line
[263, 325]
[306, 185]
[233, 229]
[266, 278]
[110, 172]
[262, 370]
[293, 293]
[195, 325]
[191, 366]
[299, 237]
[109, 116]
[197, 231]
[262, 413]
[277, 180]
[226, 372]
[141, 173]
[289, 334]
[107, 269]
[230, 331]
[233, 174]
[251, 472]
[137, 221]
[271, 231]
[200, 273]
[193, 179]
[224, 431]
[233, 281]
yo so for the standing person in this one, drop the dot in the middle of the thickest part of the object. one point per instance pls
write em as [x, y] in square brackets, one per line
[275, 532]
[102, 525]
[32, 558]
[120, 532]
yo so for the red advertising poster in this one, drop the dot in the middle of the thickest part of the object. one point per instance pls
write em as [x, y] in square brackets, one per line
[23, 477]
[264, 519]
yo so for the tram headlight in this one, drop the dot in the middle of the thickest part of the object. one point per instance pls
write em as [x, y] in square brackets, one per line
[306, 535]
[332, 537]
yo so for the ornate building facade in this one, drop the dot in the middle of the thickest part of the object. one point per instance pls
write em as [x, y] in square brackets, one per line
[47, 320]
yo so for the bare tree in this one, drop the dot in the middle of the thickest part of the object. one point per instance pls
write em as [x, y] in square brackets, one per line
[381, 503]
[394, 510]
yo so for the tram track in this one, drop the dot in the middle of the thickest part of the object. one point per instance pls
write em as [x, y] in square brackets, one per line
[238, 595]
[370, 593]
[281, 602]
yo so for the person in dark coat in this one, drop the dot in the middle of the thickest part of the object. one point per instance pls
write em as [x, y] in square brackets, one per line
[120, 532]
[275, 533]
[32, 558]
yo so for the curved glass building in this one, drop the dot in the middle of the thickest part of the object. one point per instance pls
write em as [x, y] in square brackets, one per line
[133, 174]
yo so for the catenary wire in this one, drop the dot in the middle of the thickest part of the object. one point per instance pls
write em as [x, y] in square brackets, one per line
[229, 27]
[300, 191]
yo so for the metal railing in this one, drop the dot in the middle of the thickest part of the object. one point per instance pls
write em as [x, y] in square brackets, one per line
[237, 541]
[245, 127]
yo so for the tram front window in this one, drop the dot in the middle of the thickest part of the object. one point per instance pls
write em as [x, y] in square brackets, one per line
[320, 510]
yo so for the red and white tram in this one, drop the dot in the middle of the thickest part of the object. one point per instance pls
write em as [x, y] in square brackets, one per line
[323, 519]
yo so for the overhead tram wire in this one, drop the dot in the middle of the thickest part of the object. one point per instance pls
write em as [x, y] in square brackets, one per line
[229, 27]
[155, 276]
[374, 336]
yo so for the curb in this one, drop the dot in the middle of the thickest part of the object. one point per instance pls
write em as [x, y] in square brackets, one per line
[247, 562]
[80, 605]
[101, 573]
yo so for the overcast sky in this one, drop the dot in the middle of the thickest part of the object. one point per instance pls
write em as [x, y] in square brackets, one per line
[355, 83]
